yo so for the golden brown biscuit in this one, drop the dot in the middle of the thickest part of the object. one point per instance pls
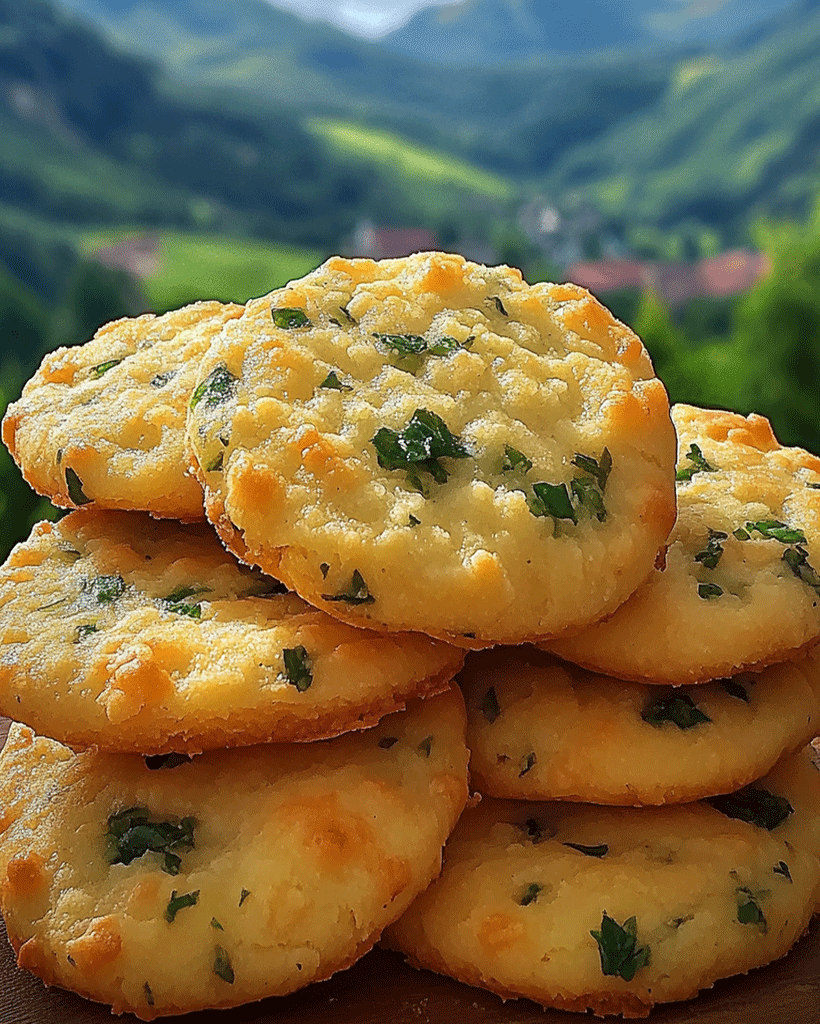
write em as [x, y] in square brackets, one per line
[740, 587]
[430, 444]
[611, 909]
[540, 729]
[235, 876]
[142, 635]
[104, 422]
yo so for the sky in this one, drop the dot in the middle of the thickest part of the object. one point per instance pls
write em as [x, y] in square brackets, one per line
[370, 18]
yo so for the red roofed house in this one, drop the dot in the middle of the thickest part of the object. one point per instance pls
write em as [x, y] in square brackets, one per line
[387, 243]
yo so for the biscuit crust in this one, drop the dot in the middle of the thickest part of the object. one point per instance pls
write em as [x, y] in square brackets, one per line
[142, 635]
[540, 729]
[736, 592]
[104, 422]
[525, 885]
[295, 858]
[377, 436]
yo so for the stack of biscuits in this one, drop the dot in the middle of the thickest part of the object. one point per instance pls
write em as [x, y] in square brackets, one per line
[241, 747]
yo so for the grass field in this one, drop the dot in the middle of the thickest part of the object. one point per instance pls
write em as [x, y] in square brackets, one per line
[397, 155]
[193, 266]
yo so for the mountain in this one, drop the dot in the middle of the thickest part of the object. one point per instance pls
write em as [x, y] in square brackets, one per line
[482, 32]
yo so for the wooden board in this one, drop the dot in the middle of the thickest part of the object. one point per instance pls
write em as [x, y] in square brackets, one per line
[381, 989]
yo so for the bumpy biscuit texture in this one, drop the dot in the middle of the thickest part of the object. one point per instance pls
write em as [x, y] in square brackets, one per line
[611, 909]
[239, 875]
[134, 634]
[104, 422]
[540, 729]
[430, 444]
[741, 584]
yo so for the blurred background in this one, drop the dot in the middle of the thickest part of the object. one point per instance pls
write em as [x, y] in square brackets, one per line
[663, 153]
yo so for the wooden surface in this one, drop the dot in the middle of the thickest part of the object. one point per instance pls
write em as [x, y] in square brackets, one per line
[381, 989]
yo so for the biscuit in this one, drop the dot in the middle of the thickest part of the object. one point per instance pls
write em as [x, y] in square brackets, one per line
[235, 876]
[540, 729]
[142, 635]
[430, 444]
[741, 584]
[608, 908]
[104, 422]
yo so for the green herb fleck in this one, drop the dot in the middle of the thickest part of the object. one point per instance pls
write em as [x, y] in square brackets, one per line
[215, 465]
[177, 601]
[748, 909]
[297, 668]
[741, 534]
[222, 965]
[149, 995]
[131, 834]
[814, 487]
[797, 559]
[677, 708]
[619, 949]
[597, 468]
[756, 806]
[588, 496]
[177, 903]
[106, 589]
[403, 344]
[735, 689]
[418, 447]
[332, 381]
[536, 831]
[590, 851]
[356, 593]
[515, 461]
[707, 591]
[442, 346]
[75, 488]
[552, 500]
[85, 630]
[413, 521]
[217, 387]
[773, 529]
[288, 318]
[324, 569]
[499, 305]
[425, 746]
[782, 868]
[699, 464]
[243, 895]
[530, 894]
[102, 368]
[528, 763]
[161, 379]
[711, 554]
[216, 924]
[489, 705]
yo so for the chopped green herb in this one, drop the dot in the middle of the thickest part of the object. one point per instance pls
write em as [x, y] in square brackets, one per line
[748, 909]
[699, 464]
[588, 496]
[356, 593]
[814, 487]
[386, 742]
[797, 559]
[324, 569]
[102, 368]
[222, 965]
[590, 851]
[499, 305]
[162, 379]
[515, 461]
[741, 534]
[243, 895]
[216, 464]
[677, 708]
[216, 924]
[735, 689]
[425, 746]
[619, 949]
[782, 868]
[403, 344]
[217, 387]
[530, 894]
[131, 834]
[418, 447]
[756, 806]
[177, 903]
[597, 468]
[347, 316]
[413, 521]
[773, 529]
[288, 318]
[707, 591]
[149, 995]
[332, 381]
[75, 488]
[711, 554]
[527, 762]
[536, 831]
[551, 500]
[490, 705]
[297, 668]
[107, 589]
[442, 346]
[81, 632]
[177, 602]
